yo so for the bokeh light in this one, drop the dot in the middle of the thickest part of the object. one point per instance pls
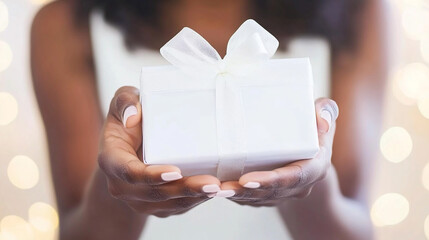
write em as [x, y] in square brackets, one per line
[413, 80]
[4, 16]
[423, 105]
[389, 209]
[15, 228]
[6, 56]
[396, 144]
[402, 4]
[5, 236]
[415, 21]
[8, 108]
[23, 172]
[40, 2]
[425, 176]
[397, 92]
[43, 217]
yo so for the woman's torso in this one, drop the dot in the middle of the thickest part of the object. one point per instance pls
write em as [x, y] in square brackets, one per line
[216, 218]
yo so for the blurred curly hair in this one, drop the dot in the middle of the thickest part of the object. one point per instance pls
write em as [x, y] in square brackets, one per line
[333, 20]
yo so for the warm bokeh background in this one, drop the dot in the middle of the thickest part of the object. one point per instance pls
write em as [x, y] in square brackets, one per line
[400, 196]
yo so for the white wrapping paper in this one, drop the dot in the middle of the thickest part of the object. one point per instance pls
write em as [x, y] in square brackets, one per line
[226, 117]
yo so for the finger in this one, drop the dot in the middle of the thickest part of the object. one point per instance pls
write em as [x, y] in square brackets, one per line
[160, 174]
[123, 122]
[125, 166]
[255, 203]
[294, 175]
[248, 195]
[125, 106]
[230, 189]
[241, 192]
[195, 186]
[326, 114]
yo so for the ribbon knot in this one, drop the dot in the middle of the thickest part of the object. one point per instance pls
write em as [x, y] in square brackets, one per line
[222, 67]
[192, 54]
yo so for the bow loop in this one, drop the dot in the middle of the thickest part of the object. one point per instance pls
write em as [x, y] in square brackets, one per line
[190, 52]
[251, 43]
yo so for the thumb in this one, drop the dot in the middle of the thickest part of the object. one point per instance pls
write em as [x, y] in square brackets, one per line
[124, 117]
[125, 107]
[327, 113]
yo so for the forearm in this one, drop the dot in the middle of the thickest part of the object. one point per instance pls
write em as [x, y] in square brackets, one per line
[327, 214]
[99, 216]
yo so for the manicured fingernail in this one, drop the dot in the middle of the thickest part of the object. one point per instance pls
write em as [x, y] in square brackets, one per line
[225, 193]
[325, 114]
[252, 185]
[171, 176]
[211, 195]
[212, 188]
[129, 111]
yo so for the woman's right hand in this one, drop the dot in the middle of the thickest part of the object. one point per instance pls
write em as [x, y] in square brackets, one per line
[158, 190]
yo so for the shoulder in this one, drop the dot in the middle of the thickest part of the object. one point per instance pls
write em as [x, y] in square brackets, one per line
[56, 16]
[56, 27]
[59, 45]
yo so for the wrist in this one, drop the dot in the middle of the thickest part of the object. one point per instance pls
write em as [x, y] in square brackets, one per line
[324, 194]
[100, 216]
[99, 199]
[327, 191]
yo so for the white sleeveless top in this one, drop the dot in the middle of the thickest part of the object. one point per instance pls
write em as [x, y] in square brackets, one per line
[217, 218]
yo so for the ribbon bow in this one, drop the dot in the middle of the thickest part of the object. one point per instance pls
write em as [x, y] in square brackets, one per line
[192, 54]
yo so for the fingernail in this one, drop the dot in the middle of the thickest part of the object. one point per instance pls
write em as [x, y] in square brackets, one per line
[325, 114]
[212, 188]
[225, 193]
[252, 185]
[171, 176]
[129, 111]
[211, 195]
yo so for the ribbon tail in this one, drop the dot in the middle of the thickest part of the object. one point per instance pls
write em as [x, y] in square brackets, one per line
[231, 129]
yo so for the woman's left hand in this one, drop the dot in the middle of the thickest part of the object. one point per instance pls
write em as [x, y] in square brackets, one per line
[295, 180]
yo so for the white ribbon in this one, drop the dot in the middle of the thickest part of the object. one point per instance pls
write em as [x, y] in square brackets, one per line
[193, 55]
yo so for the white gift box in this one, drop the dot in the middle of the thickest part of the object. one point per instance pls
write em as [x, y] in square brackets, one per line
[226, 117]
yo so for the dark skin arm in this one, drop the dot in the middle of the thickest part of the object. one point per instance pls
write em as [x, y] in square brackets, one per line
[65, 88]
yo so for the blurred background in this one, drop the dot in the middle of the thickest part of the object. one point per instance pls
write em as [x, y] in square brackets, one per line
[400, 194]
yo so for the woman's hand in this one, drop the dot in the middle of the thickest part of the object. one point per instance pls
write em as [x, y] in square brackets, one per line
[295, 180]
[158, 190]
